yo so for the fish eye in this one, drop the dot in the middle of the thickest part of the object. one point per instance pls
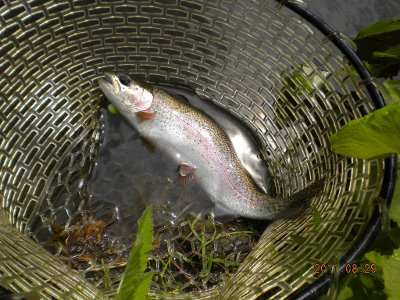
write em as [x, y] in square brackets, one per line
[124, 79]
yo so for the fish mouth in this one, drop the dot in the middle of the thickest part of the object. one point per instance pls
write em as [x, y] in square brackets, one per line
[110, 83]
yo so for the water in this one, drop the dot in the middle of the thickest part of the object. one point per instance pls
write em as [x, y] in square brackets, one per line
[129, 175]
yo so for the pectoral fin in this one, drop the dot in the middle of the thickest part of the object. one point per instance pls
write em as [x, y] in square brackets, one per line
[145, 116]
[186, 174]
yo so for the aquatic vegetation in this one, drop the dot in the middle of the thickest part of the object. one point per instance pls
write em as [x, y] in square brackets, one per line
[135, 283]
[200, 253]
[193, 254]
[85, 244]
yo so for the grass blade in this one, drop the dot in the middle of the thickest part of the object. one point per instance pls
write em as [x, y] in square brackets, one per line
[133, 276]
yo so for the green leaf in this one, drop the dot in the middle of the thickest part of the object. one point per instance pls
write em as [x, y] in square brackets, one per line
[298, 239]
[374, 135]
[307, 78]
[394, 211]
[304, 83]
[143, 287]
[374, 41]
[137, 261]
[375, 257]
[384, 26]
[362, 286]
[112, 109]
[394, 235]
[390, 265]
[383, 67]
[392, 52]
[316, 216]
[345, 293]
[374, 69]
[393, 88]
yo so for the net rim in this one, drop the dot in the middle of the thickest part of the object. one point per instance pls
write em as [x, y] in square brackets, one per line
[321, 285]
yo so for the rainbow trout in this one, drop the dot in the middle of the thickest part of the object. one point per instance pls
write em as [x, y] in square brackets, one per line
[201, 149]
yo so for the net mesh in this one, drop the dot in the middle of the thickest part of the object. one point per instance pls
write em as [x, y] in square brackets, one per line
[261, 63]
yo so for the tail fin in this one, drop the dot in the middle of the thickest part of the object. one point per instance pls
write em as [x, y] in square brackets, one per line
[299, 201]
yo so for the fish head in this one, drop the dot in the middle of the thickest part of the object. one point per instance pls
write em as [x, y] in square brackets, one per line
[126, 94]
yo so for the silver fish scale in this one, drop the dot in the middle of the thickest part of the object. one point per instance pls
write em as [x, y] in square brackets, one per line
[238, 54]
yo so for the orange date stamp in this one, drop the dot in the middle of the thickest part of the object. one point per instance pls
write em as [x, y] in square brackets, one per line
[363, 268]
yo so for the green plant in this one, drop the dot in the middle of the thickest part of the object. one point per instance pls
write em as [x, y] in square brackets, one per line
[379, 45]
[135, 282]
[377, 135]
[202, 253]
[207, 257]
